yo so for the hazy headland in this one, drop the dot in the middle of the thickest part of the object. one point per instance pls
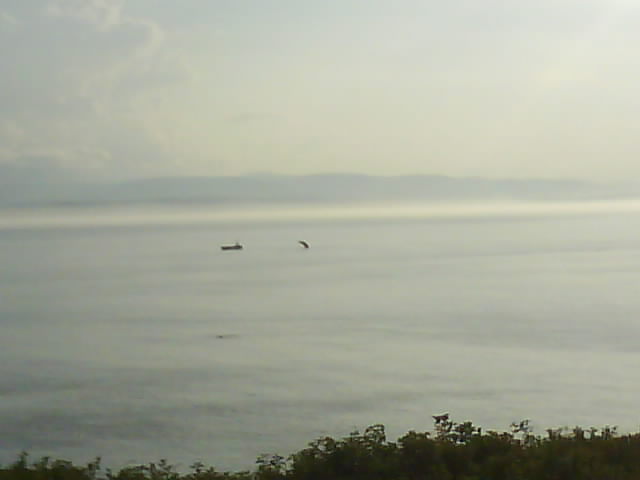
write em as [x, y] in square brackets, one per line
[36, 187]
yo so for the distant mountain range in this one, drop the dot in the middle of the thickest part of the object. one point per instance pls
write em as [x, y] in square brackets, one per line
[29, 190]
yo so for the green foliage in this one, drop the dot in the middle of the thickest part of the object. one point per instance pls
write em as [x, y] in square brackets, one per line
[455, 451]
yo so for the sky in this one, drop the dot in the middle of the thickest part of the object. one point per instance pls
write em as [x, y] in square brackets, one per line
[492, 88]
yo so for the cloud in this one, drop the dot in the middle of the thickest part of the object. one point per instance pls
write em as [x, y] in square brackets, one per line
[134, 43]
[71, 84]
[108, 16]
[104, 14]
[8, 23]
[74, 158]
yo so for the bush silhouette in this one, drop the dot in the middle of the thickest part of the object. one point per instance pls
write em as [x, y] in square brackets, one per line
[454, 451]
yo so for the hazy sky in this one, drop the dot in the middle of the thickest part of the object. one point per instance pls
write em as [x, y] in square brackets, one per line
[496, 88]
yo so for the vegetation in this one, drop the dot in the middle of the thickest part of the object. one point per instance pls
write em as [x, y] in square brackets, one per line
[453, 451]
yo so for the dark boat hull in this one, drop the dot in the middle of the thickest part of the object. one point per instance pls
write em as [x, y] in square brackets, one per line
[231, 247]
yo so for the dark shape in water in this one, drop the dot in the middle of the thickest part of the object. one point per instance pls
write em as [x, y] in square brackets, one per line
[303, 243]
[236, 246]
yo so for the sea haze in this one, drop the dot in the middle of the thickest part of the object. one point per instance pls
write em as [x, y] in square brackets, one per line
[130, 335]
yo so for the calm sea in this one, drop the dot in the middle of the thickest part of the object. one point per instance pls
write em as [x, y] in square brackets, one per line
[130, 335]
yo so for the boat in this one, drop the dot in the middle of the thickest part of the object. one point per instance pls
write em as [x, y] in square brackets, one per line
[235, 246]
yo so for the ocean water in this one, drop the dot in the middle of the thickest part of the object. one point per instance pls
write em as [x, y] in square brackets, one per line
[132, 336]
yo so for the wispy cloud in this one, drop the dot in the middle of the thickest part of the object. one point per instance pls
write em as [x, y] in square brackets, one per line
[102, 13]
[108, 16]
[73, 81]
[7, 21]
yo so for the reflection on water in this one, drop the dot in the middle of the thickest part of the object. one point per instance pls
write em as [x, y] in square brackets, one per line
[198, 214]
[147, 341]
